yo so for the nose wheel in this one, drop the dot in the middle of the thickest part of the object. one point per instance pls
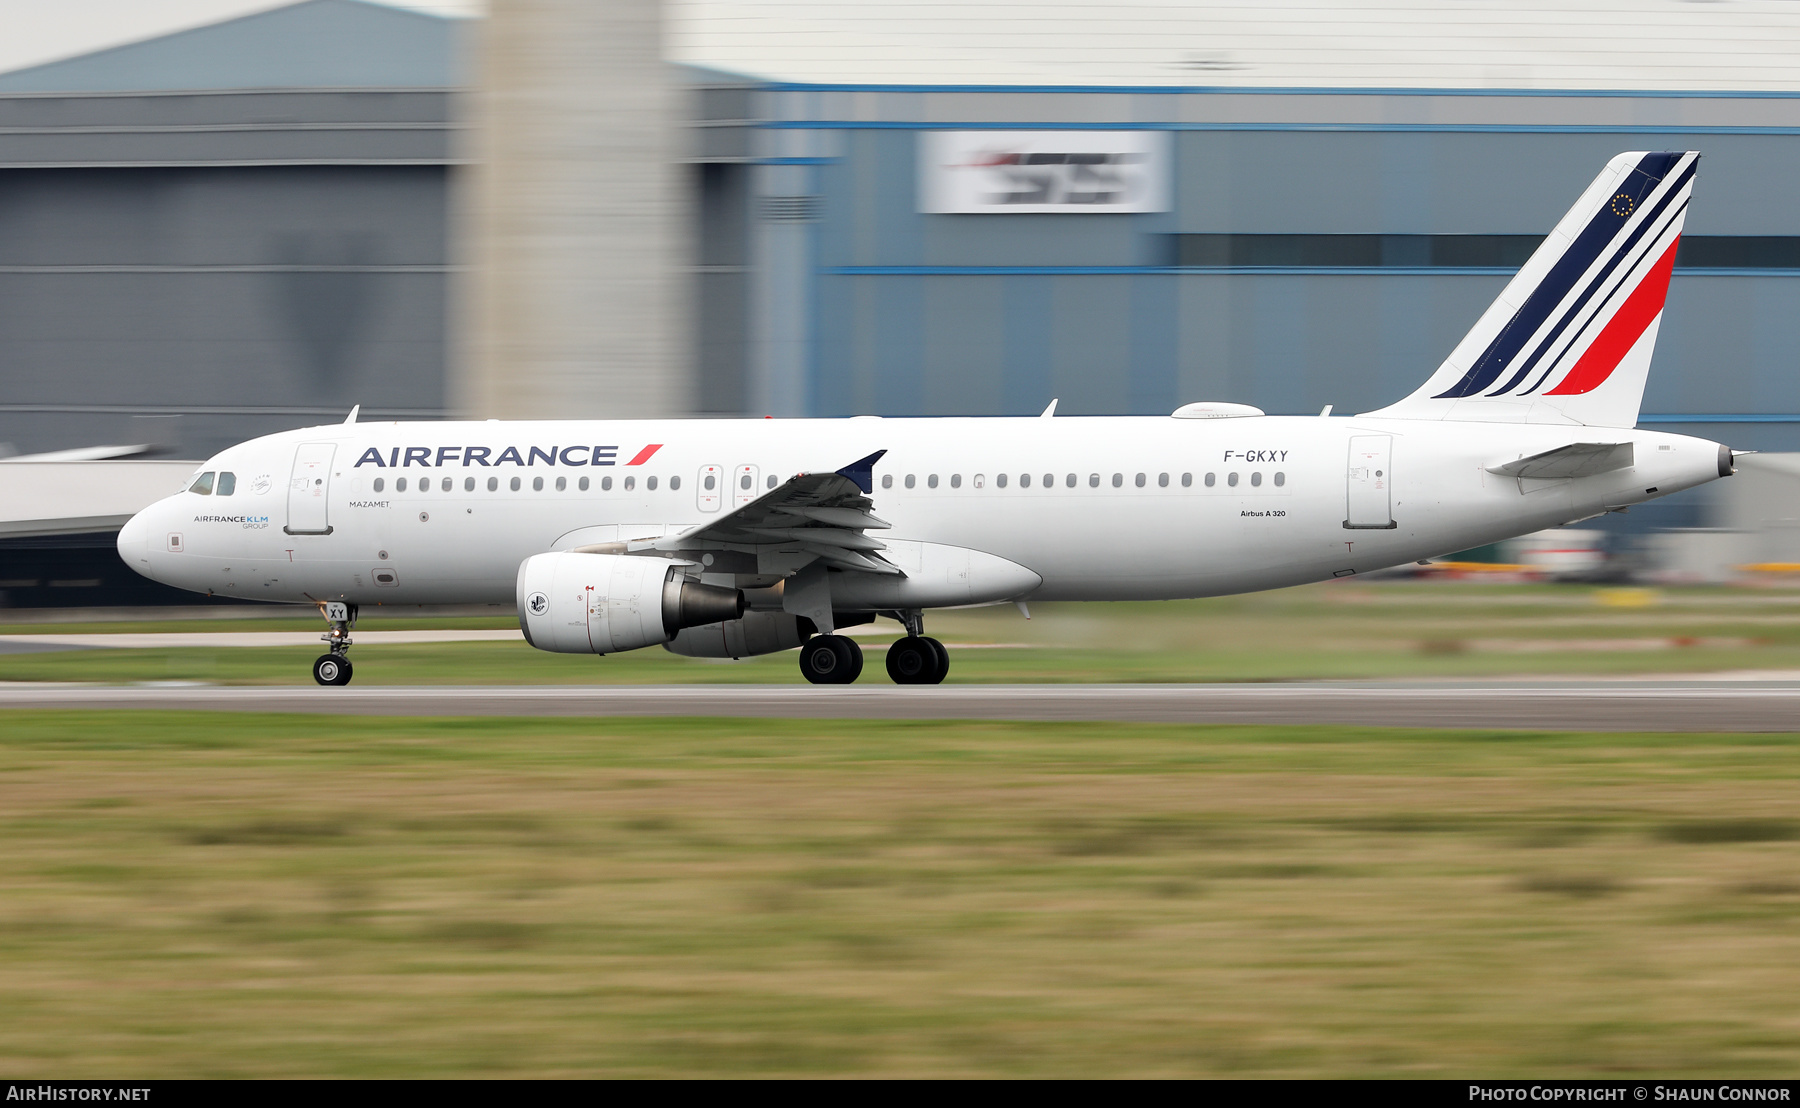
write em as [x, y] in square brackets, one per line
[333, 667]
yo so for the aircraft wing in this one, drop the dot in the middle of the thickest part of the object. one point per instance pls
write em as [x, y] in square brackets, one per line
[1580, 459]
[824, 516]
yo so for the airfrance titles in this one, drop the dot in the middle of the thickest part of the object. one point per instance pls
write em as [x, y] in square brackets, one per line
[398, 457]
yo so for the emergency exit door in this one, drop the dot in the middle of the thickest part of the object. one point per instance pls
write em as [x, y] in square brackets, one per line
[1371, 482]
[309, 489]
[744, 487]
[707, 488]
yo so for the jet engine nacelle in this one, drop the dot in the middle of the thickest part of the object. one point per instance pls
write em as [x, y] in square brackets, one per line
[756, 633]
[603, 603]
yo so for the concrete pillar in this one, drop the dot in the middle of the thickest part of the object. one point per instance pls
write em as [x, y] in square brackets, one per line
[574, 218]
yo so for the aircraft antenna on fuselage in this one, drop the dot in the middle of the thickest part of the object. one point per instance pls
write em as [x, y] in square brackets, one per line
[351, 418]
[1051, 410]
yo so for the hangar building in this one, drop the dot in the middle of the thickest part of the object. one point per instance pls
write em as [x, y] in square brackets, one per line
[252, 225]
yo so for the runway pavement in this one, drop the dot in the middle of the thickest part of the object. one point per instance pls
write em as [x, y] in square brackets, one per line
[1598, 706]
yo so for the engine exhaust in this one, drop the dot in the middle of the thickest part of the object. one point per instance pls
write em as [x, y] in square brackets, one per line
[688, 603]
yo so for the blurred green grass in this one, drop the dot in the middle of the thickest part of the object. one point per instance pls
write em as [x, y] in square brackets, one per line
[196, 895]
[1364, 630]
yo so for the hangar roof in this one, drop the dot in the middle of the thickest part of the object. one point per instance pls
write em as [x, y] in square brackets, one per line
[1405, 44]
[312, 44]
[1648, 45]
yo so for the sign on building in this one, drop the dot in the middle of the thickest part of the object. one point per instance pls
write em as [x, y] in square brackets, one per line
[997, 172]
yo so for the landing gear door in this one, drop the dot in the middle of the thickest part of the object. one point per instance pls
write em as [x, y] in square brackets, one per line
[309, 489]
[1371, 481]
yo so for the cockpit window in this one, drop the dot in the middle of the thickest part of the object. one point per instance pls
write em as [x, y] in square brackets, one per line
[227, 484]
[202, 484]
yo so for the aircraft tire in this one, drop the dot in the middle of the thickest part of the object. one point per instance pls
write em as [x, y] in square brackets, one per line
[830, 660]
[331, 669]
[914, 661]
[943, 662]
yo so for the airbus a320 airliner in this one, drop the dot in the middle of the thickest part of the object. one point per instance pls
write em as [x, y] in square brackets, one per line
[742, 537]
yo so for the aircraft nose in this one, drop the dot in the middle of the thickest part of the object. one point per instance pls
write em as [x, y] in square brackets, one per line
[134, 542]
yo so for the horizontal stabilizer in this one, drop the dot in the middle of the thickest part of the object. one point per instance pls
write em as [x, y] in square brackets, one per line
[1580, 459]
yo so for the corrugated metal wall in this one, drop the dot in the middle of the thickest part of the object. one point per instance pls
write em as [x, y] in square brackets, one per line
[908, 313]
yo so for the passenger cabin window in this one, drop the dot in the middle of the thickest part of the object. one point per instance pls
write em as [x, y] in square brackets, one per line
[562, 483]
[380, 483]
[674, 484]
[1211, 480]
[999, 480]
[493, 484]
[1280, 479]
[582, 484]
[1187, 480]
[468, 484]
[202, 484]
[606, 484]
[630, 483]
[515, 484]
[537, 484]
[744, 482]
[887, 481]
[1139, 480]
[1024, 481]
[400, 484]
[447, 484]
[710, 482]
[1231, 479]
[956, 480]
[911, 480]
[1162, 480]
[1093, 480]
[1256, 480]
[227, 484]
[1071, 481]
[649, 484]
[931, 481]
[771, 480]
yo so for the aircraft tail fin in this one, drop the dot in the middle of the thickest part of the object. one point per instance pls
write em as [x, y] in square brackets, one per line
[1570, 338]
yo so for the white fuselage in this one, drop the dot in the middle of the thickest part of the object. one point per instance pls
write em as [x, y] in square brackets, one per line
[1159, 508]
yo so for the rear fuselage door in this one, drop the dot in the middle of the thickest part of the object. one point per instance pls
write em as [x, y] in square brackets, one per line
[1371, 482]
[309, 489]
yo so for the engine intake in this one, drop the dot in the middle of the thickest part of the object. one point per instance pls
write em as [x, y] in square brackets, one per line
[603, 603]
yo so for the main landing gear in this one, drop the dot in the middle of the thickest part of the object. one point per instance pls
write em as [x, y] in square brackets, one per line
[917, 660]
[333, 667]
[913, 660]
[830, 660]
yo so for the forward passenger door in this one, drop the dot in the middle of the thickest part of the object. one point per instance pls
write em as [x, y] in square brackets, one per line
[309, 489]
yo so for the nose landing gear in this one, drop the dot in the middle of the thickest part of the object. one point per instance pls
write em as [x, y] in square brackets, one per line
[333, 667]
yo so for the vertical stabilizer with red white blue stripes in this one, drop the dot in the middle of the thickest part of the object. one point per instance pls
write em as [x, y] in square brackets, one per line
[1569, 340]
